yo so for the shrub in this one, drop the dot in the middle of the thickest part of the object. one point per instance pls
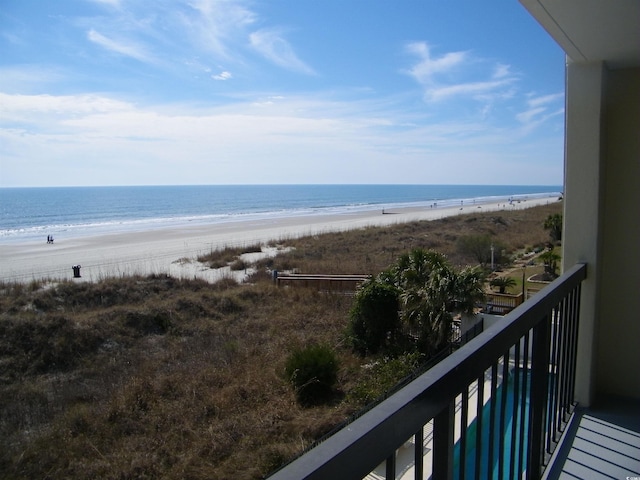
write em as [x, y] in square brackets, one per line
[313, 371]
[238, 265]
[479, 247]
[373, 320]
[384, 375]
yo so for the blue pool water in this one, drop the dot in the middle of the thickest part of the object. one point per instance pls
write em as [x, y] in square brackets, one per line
[502, 443]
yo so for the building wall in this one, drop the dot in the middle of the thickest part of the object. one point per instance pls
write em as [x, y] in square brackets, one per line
[602, 224]
[583, 199]
[618, 332]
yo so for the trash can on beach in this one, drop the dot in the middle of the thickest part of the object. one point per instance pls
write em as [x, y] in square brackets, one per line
[76, 271]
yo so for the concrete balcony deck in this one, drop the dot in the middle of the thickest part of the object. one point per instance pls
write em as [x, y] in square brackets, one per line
[600, 443]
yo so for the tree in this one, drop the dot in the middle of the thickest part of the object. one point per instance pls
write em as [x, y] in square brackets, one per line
[432, 292]
[373, 320]
[550, 261]
[503, 283]
[479, 247]
[553, 223]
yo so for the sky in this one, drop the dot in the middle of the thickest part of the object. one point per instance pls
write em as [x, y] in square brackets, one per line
[180, 92]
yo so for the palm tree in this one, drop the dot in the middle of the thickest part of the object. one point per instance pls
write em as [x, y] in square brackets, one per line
[503, 283]
[553, 223]
[550, 261]
[432, 292]
[468, 290]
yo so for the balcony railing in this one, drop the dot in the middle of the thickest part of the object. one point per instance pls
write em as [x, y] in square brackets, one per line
[495, 408]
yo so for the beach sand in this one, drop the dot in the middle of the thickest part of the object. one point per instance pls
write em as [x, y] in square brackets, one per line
[174, 251]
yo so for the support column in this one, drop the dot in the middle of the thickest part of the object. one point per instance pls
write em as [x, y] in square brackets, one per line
[583, 204]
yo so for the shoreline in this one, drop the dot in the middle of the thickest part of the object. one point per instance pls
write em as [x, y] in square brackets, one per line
[173, 250]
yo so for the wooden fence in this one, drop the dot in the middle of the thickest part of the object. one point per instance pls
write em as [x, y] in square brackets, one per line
[329, 283]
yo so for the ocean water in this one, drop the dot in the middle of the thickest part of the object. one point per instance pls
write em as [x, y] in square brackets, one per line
[30, 214]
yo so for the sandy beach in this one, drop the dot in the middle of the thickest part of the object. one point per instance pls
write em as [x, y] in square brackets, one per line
[174, 251]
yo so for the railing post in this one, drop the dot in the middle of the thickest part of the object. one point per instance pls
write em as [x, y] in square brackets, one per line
[443, 443]
[539, 396]
[418, 444]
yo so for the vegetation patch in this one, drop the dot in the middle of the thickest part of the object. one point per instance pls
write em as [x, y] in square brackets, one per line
[313, 372]
[158, 377]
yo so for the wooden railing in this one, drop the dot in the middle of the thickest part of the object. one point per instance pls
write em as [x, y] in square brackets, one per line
[495, 408]
[502, 303]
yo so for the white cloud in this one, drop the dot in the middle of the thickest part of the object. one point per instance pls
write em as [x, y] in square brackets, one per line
[61, 105]
[26, 77]
[545, 99]
[300, 138]
[473, 89]
[502, 71]
[449, 75]
[276, 49]
[128, 49]
[111, 3]
[217, 26]
[540, 109]
[528, 115]
[222, 76]
[428, 67]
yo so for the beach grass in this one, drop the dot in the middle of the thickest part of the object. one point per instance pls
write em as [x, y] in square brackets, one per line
[158, 377]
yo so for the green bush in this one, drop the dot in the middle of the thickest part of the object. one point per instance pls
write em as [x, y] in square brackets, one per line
[313, 371]
[383, 375]
[373, 320]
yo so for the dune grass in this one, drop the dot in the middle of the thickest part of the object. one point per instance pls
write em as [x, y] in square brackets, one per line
[155, 377]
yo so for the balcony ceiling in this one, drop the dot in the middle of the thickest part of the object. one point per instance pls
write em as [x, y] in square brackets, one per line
[592, 30]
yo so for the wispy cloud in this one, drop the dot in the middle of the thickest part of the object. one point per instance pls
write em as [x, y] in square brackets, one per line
[447, 76]
[111, 3]
[540, 109]
[128, 49]
[222, 76]
[502, 71]
[427, 67]
[470, 89]
[218, 26]
[23, 78]
[545, 99]
[273, 46]
[38, 108]
[204, 32]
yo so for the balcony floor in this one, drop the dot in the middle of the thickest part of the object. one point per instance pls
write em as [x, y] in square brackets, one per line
[602, 442]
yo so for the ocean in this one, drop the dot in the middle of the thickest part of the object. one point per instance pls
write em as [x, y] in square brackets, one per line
[31, 214]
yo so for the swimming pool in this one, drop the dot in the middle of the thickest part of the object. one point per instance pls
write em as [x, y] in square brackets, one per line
[510, 433]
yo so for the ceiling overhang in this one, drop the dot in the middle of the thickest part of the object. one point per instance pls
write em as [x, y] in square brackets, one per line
[592, 30]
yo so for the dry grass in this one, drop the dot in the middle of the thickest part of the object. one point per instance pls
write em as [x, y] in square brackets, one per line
[371, 250]
[157, 377]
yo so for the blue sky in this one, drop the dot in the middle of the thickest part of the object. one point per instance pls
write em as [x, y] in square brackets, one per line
[143, 92]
